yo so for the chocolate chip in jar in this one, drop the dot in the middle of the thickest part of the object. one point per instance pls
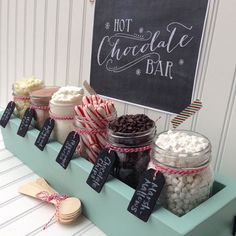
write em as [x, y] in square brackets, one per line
[130, 136]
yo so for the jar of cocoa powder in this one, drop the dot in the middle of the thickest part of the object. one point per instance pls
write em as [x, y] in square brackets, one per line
[39, 101]
[131, 136]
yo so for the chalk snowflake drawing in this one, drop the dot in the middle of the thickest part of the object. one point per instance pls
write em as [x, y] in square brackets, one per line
[138, 72]
[181, 62]
[107, 26]
[141, 30]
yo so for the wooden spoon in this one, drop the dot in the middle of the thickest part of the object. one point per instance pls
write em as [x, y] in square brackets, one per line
[69, 209]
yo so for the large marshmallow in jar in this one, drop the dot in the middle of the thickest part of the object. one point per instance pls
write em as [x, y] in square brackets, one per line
[62, 106]
[21, 90]
[183, 150]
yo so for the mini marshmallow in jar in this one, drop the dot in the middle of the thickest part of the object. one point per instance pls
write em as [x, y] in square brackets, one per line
[184, 159]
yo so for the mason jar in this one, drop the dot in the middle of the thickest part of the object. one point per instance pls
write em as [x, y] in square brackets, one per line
[39, 101]
[93, 135]
[62, 111]
[22, 103]
[188, 174]
[21, 90]
[133, 152]
[63, 114]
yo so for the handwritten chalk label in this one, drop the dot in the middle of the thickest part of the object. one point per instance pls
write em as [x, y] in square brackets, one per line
[26, 121]
[7, 114]
[44, 134]
[154, 55]
[101, 170]
[68, 149]
[146, 194]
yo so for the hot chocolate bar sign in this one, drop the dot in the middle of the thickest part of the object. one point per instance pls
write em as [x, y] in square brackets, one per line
[146, 51]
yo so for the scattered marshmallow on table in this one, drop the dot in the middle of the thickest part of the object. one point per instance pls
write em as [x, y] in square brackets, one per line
[183, 150]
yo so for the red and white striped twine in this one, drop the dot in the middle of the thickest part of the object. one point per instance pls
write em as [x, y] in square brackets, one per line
[128, 150]
[54, 117]
[23, 99]
[46, 197]
[169, 170]
[90, 131]
[43, 108]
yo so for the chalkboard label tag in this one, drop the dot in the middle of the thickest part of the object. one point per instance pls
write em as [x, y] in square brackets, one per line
[146, 194]
[26, 121]
[7, 114]
[44, 134]
[234, 227]
[68, 149]
[101, 169]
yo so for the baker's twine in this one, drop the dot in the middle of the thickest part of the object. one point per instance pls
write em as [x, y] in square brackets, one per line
[20, 98]
[43, 108]
[85, 131]
[55, 117]
[174, 171]
[46, 197]
[128, 150]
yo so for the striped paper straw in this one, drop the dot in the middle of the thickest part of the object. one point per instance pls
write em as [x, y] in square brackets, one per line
[186, 113]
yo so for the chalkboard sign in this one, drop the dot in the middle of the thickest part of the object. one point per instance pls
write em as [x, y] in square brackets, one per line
[68, 149]
[44, 134]
[146, 51]
[101, 169]
[26, 121]
[7, 114]
[146, 194]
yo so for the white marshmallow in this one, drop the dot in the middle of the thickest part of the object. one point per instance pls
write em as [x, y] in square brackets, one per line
[187, 191]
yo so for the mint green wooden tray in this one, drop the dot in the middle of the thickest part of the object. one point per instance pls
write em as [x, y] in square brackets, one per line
[108, 209]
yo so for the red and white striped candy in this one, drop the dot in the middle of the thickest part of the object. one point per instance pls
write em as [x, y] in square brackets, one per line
[94, 113]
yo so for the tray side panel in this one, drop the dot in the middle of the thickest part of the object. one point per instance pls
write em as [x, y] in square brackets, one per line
[107, 210]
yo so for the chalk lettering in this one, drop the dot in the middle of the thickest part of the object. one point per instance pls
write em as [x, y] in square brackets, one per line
[114, 55]
[101, 170]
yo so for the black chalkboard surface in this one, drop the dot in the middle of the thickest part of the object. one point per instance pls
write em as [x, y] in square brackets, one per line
[68, 149]
[146, 194]
[146, 51]
[44, 134]
[26, 122]
[7, 114]
[101, 169]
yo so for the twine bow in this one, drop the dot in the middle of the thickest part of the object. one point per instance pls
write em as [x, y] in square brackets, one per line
[47, 197]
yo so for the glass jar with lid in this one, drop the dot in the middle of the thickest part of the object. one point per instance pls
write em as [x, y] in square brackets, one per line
[39, 101]
[184, 158]
[21, 90]
[62, 111]
[93, 135]
[132, 145]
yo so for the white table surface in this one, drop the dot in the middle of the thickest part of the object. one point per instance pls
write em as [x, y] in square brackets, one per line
[22, 215]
